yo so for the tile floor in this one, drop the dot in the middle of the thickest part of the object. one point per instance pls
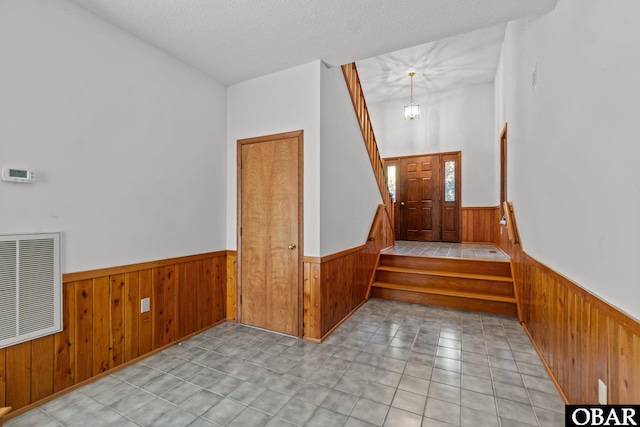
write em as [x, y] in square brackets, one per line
[390, 364]
[451, 250]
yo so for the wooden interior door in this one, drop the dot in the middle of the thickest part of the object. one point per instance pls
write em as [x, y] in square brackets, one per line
[419, 198]
[270, 232]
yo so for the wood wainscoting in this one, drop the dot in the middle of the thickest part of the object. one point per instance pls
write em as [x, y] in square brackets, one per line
[580, 337]
[336, 285]
[479, 224]
[104, 329]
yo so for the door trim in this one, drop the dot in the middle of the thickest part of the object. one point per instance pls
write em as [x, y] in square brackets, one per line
[299, 134]
[503, 169]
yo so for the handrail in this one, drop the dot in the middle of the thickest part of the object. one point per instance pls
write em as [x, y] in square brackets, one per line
[362, 113]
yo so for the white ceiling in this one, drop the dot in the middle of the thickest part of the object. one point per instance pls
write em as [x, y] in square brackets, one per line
[458, 61]
[236, 40]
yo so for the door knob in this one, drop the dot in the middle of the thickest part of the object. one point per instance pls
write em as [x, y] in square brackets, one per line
[292, 246]
[401, 203]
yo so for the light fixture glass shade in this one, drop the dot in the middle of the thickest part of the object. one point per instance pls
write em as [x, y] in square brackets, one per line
[411, 111]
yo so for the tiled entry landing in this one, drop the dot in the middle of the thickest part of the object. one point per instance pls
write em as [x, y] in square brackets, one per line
[391, 364]
[448, 250]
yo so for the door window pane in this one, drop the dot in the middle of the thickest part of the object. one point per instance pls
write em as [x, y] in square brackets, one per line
[450, 181]
[391, 181]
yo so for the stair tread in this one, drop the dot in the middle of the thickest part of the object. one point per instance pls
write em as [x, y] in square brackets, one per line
[445, 273]
[446, 292]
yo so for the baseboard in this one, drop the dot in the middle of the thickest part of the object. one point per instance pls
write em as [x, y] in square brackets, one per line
[546, 365]
[105, 330]
[325, 336]
[579, 337]
[61, 393]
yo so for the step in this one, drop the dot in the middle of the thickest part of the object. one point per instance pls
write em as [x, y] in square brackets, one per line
[461, 265]
[460, 282]
[446, 298]
[452, 274]
[444, 292]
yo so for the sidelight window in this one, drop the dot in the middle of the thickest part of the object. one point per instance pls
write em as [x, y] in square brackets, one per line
[450, 181]
[391, 181]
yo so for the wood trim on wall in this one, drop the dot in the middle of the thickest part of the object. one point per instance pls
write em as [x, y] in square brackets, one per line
[336, 285]
[327, 258]
[409, 156]
[479, 223]
[110, 271]
[232, 284]
[503, 167]
[580, 337]
[103, 329]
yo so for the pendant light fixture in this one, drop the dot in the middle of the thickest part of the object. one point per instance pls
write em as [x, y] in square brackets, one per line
[411, 111]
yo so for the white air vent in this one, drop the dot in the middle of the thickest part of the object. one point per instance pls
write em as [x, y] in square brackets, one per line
[30, 287]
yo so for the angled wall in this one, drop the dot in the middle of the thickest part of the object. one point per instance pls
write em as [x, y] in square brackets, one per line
[573, 174]
[128, 142]
[349, 194]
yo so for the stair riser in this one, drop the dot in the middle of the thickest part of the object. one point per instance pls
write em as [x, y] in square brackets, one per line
[473, 266]
[485, 287]
[484, 306]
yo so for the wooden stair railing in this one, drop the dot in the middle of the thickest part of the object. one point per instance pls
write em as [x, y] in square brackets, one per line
[362, 113]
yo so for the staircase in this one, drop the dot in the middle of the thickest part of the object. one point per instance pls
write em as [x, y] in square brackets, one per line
[352, 80]
[467, 284]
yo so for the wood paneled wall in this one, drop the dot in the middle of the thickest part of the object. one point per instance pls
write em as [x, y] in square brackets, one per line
[580, 337]
[103, 326]
[479, 224]
[335, 285]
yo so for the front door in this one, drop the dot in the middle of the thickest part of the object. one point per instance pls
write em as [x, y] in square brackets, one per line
[419, 204]
[270, 233]
[427, 202]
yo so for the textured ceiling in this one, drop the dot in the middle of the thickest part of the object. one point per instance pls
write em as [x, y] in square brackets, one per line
[235, 40]
[454, 62]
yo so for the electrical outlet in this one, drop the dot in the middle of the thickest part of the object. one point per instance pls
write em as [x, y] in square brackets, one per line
[602, 393]
[145, 305]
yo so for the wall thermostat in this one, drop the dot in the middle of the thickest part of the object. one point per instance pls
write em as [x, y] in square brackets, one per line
[18, 175]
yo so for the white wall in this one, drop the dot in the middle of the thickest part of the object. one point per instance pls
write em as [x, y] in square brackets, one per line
[128, 143]
[349, 193]
[573, 142]
[455, 120]
[281, 102]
